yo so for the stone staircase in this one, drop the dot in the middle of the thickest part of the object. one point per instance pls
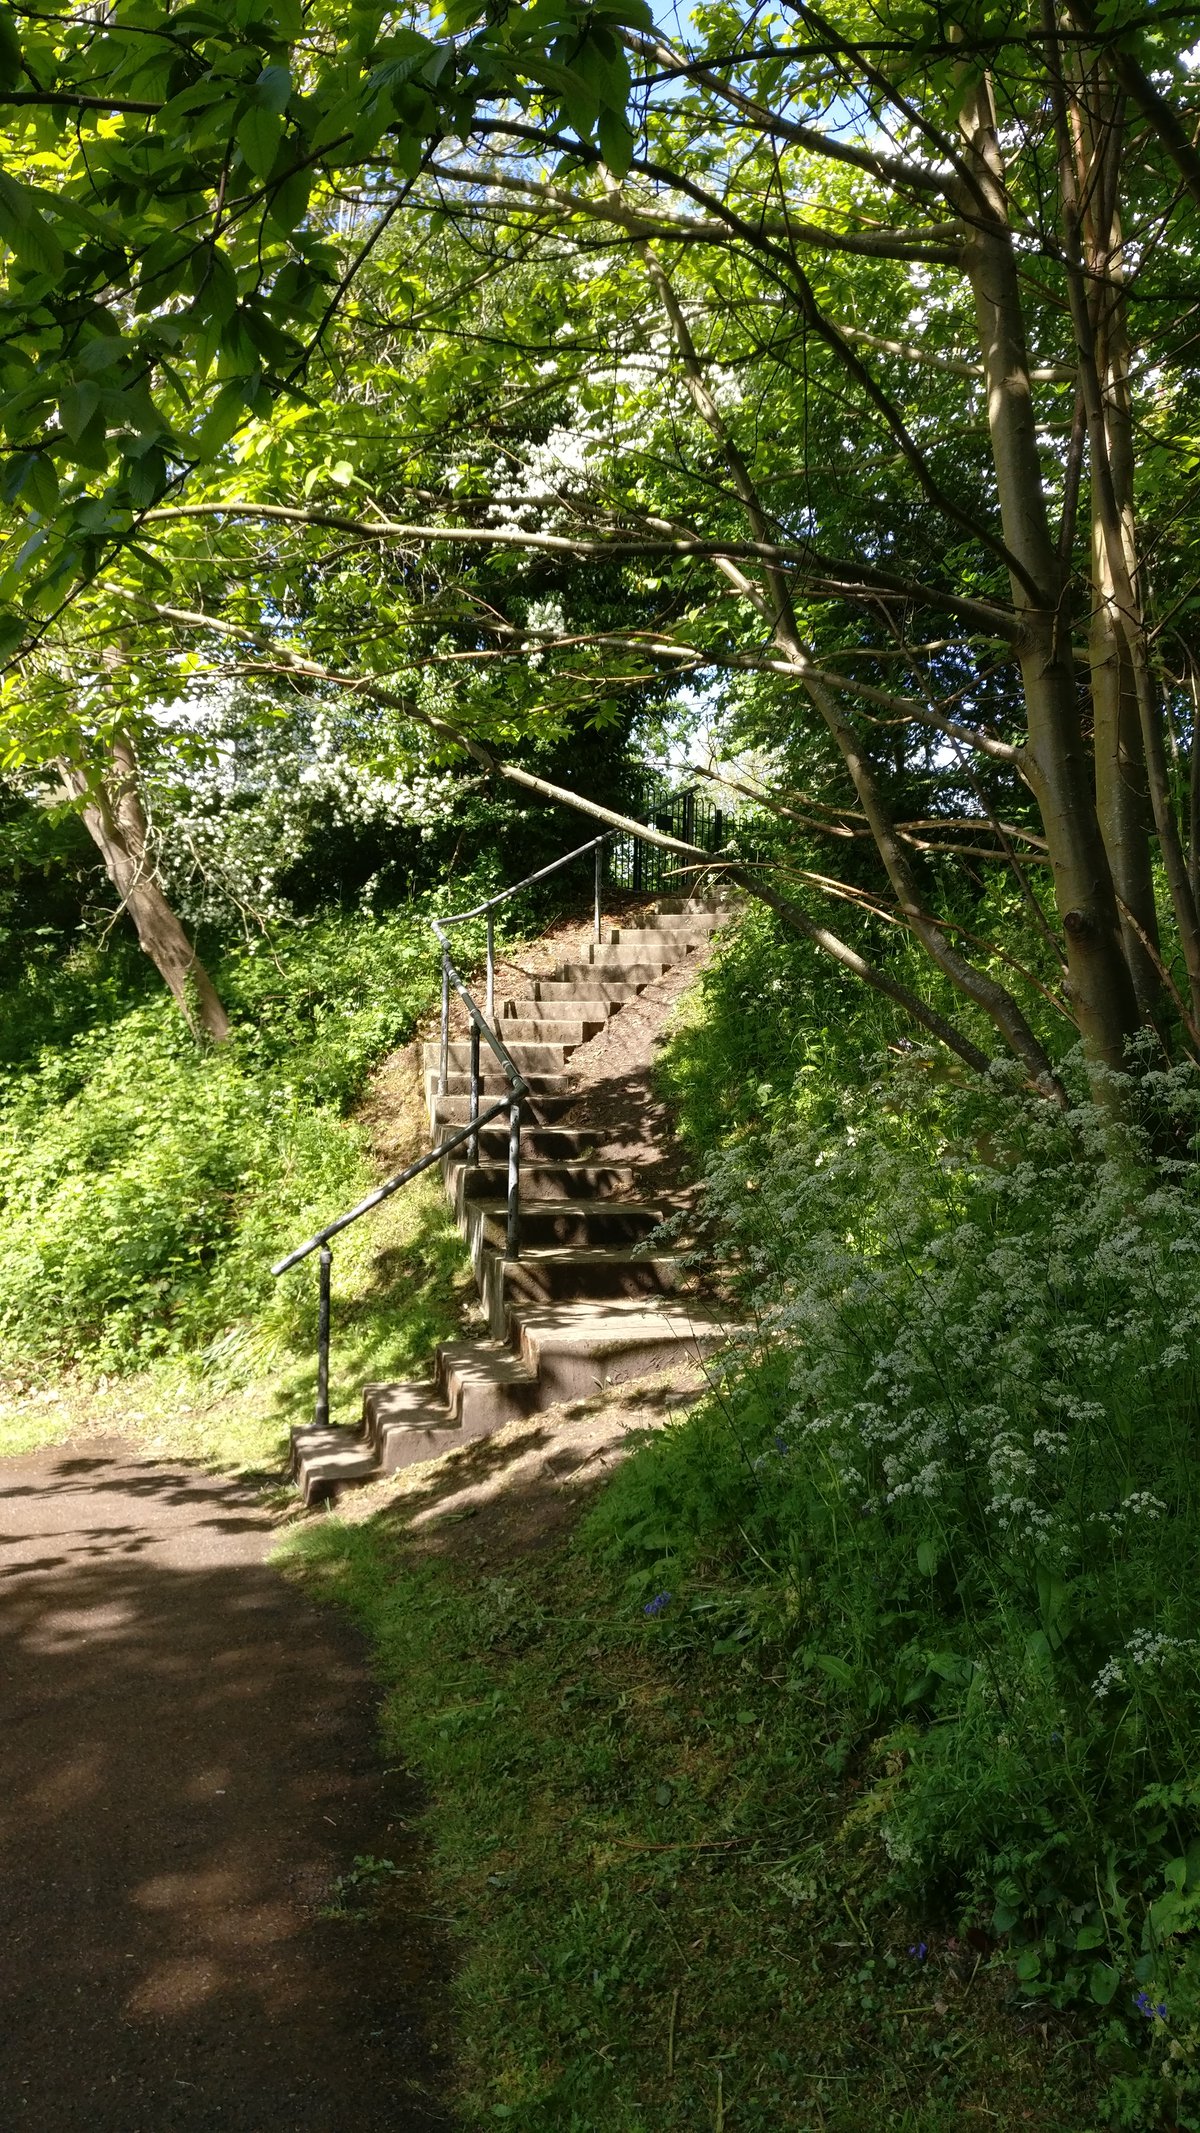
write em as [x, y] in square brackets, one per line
[583, 1305]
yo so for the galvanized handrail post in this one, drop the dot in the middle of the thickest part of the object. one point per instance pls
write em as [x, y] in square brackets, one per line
[512, 1240]
[321, 1415]
[596, 899]
[445, 1057]
[473, 1143]
[491, 966]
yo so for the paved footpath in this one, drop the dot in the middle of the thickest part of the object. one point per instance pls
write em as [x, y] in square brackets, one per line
[188, 1760]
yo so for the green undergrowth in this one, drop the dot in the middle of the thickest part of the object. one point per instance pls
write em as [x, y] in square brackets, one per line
[146, 1187]
[668, 1909]
[954, 1476]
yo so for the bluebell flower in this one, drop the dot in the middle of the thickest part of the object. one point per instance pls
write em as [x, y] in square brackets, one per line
[920, 1949]
[1154, 2010]
[657, 1604]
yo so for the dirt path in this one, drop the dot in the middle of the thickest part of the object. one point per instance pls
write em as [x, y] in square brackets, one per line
[187, 1764]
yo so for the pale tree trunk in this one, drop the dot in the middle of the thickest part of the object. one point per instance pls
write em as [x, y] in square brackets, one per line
[1099, 980]
[775, 604]
[115, 818]
[1089, 164]
[1122, 794]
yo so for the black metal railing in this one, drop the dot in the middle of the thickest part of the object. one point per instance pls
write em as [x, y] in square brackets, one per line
[481, 1032]
[510, 1103]
[594, 846]
[684, 811]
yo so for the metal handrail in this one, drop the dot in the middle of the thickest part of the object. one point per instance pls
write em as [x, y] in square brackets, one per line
[321, 1242]
[510, 1102]
[455, 918]
[458, 918]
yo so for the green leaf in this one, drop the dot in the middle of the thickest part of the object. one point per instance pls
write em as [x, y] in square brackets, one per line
[146, 478]
[27, 230]
[43, 484]
[222, 419]
[616, 141]
[274, 86]
[927, 1557]
[12, 633]
[77, 407]
[836, 1669]
[258, 136]
[1102, 1982]
[289, 201]
[10, 50]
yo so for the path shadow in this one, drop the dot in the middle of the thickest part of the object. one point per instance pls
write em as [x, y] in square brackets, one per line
[188, 1762]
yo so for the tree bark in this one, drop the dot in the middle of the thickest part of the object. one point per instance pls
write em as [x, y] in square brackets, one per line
[112, 810]
[1099, 978]
[1089, 164]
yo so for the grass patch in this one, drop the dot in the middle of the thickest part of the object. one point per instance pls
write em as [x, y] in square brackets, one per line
[402, 1283]
[669, 1914]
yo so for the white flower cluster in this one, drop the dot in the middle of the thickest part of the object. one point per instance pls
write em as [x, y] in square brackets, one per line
[232, 817]
[987, 1340]
[1147, 1651]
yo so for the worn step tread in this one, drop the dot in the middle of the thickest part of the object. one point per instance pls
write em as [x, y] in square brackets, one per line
[540, 1054]
[622, 1318]
[552, 1183]
[587, 988]
[482, 1362]
[495, 1084]
[415, 1403]
[571, 1007]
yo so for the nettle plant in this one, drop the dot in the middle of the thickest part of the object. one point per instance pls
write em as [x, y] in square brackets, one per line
[972, 1433]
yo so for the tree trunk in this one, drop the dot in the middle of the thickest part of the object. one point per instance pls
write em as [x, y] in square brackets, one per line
[113, 812]
[1099, 979]
[1089, 158]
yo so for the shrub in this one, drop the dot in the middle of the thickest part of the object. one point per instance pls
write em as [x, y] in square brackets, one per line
[147, 1186]
[955, 1480]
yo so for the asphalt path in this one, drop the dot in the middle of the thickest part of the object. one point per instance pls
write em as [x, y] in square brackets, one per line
[188, 1769]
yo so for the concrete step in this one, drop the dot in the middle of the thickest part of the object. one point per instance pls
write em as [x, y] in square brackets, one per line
[493, 1084]
[540, 1180]
[541, 1031]
[579, 1225]
[584, 996]
[675, 919]
[673, 944]
[540, 1057]
[542, 1108]
[544, 1275]
[576, 1346]
[719, 907]
[692, 926]
[572, 1007]
[325, 1461]
[404, 1423]
[539, 1144]
[485, 1384]
[630, 966]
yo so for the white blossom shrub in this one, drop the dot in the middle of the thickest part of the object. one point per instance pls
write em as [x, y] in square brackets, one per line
[243, 796]
[954, 1478]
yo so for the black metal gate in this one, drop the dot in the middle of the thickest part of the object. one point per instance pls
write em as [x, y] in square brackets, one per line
[679, 811]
